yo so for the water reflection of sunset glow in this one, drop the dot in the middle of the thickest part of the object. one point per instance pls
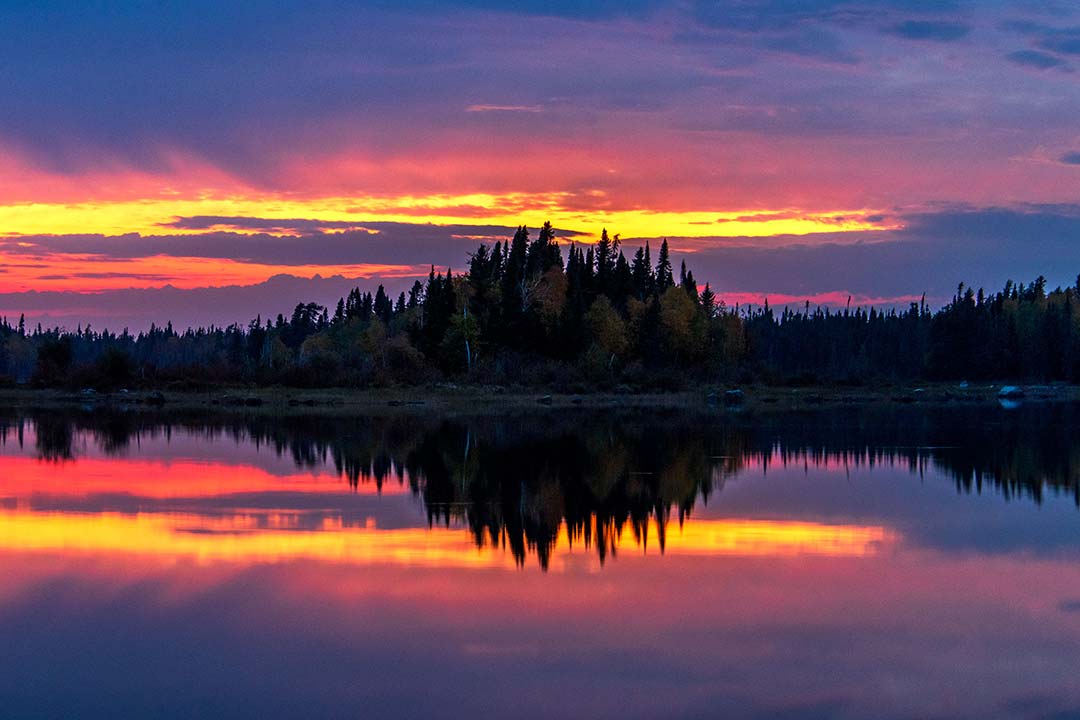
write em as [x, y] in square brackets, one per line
[775, 537]
[240, 538]
[276, 537]
[182, 478]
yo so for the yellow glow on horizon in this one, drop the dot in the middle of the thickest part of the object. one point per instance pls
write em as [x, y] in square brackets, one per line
[152, 216]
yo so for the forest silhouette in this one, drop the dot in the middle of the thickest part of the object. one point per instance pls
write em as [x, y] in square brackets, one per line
[523, 314]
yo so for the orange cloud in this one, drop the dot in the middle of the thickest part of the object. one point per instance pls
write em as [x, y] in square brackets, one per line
[89, 273]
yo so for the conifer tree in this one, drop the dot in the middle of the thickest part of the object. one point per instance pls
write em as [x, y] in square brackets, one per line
[640, 273]
[664, 278]
[514, 278]
[708, 302]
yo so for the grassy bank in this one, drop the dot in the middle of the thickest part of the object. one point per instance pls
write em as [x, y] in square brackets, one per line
[451, 399]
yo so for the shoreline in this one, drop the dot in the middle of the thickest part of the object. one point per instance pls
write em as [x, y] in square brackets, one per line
[449, 399]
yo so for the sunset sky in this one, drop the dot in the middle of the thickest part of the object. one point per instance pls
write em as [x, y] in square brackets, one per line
[205, 161]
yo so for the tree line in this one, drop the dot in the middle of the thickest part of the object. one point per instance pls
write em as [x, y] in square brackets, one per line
[522, 313]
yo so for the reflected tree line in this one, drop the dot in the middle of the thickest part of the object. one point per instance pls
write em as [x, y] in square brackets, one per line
[517, 481]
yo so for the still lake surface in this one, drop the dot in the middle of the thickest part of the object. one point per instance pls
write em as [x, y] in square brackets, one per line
[840, 563]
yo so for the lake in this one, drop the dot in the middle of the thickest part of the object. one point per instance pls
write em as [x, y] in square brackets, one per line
[843, 562]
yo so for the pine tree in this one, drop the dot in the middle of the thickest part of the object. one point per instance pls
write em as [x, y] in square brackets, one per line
[688, 283]
[605, 258]
[381, 306]
[514, 278]
[622, 282]
[543, 252]
[708, 302]
[650, 288]
[664, 278]
[640, 273]
[416, 295]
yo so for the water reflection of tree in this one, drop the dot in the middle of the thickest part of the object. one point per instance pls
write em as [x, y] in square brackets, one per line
[520, 489]
[53, 439]
[519, 481]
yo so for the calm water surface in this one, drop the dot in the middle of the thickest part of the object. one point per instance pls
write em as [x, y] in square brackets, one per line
[900, 563]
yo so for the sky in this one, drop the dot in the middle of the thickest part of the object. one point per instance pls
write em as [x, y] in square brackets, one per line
[204, 162]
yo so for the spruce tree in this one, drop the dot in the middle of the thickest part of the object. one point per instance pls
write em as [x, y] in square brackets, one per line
[664, 278]
[708, 302]
[640, 271]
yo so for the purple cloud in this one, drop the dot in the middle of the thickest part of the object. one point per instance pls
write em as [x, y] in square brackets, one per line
[319, 242]
[1036, 59]
[931, 30]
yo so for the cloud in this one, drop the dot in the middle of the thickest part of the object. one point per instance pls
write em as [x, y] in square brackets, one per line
[813, 42]
[592, 10]
[1071, 158]
[1065, 41]
[834, 31]
[295, 226]
[146, 277]
[1060, 40]
[934, 31]
[504, 108]
[1036, 59]
[396, 230]
[769, 15]
[316, 242]
[798, 30]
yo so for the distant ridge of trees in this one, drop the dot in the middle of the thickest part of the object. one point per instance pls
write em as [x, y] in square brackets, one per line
[524, 314]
